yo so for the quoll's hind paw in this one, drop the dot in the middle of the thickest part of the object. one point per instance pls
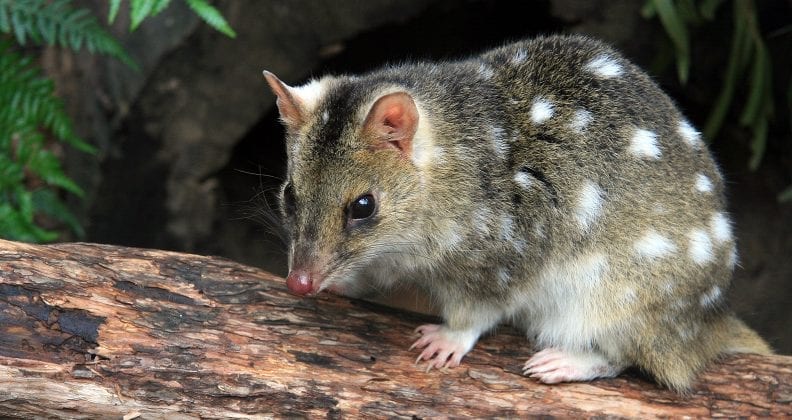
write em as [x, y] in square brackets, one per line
[440, 347]
[553, 365]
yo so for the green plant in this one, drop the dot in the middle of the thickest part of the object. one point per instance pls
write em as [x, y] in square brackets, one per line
[141, 9]
[28, 171]
[748, 53]
[32, 117]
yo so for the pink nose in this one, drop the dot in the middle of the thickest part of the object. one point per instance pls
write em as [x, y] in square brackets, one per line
[299, 282]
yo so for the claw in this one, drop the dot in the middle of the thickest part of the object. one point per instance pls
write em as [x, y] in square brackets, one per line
[554, 365]
[440, 348]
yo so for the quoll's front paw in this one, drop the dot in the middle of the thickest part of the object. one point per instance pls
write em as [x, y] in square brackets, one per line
[441, 347]
[553, 365]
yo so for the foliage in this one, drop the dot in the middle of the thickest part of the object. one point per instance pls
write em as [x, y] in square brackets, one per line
[58, 23]
[748, 51]
[31, 115]
[141, 9]
[29, 109]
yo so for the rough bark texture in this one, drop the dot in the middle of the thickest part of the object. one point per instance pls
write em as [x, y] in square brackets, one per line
[91, 330]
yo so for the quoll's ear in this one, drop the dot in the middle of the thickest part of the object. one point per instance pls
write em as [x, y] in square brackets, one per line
[393, 121]
[292, 111]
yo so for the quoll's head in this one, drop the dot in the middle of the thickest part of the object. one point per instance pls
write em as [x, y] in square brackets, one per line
[352, 185]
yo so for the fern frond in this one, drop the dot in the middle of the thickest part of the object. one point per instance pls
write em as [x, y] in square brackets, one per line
[139, 10]
[29, 102]
[115, 6]
[58, 23]
[211, 16]
[29, 110]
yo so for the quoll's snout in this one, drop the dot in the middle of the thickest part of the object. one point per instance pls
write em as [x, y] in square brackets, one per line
[300, 282]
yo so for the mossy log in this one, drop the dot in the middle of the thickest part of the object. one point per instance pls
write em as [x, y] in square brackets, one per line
[91, 330]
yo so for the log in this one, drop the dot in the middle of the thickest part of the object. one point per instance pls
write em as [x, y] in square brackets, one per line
[90, 330]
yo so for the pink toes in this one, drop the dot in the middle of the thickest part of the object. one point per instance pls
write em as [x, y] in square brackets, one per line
[440, 349]
[554, 365]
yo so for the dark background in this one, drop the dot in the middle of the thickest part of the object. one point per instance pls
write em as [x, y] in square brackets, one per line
[191, 148]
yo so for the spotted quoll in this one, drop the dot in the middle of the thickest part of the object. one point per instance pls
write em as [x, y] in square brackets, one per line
[548, 183]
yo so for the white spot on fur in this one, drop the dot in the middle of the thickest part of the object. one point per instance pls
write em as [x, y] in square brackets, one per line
[589, 205]
[541, 110]
[309, 94]
[700, 246]
[325, 117]
[721, 228]
[580, 120]
[507, 228]
[687, 334]
[539, 229]
[503, 276]
[710, 297]
[519, 245]
[451, 238]
[629, 295]
[654, 245]
[669, 287]
[604, 66]
[424, 151]
[481, 220]
[499, 144]
[703, 183]
[519, 57]
[524, 180]
[485, 71]
[644, 144]
[691, 136]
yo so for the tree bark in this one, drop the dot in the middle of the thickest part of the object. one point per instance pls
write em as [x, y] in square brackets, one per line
[91, 330]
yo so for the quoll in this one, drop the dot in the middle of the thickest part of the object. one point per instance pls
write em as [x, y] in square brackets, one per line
[548, 183]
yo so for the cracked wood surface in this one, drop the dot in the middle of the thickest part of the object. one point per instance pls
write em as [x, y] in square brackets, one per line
[91, 330]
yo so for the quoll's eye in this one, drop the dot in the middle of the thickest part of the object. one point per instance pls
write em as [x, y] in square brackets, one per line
[362, 208]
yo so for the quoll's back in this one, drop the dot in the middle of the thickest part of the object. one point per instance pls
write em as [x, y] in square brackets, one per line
[549, 183]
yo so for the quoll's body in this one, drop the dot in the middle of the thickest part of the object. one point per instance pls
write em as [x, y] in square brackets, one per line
[548, 183]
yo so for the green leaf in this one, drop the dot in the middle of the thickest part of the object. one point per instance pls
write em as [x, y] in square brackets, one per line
[159, 6]
[738, 56]
[31, 110]
[211, 16]
[15, 227]
[45, 200]
[677, 31]
[24, 203]
[139, 10]
[57, 22]
[5, 24]
[11, 173]
[18, 26]
[758, 144]
[760, 92]
[688, 11]
[648, 11]
[115, 5]
[46, 165]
